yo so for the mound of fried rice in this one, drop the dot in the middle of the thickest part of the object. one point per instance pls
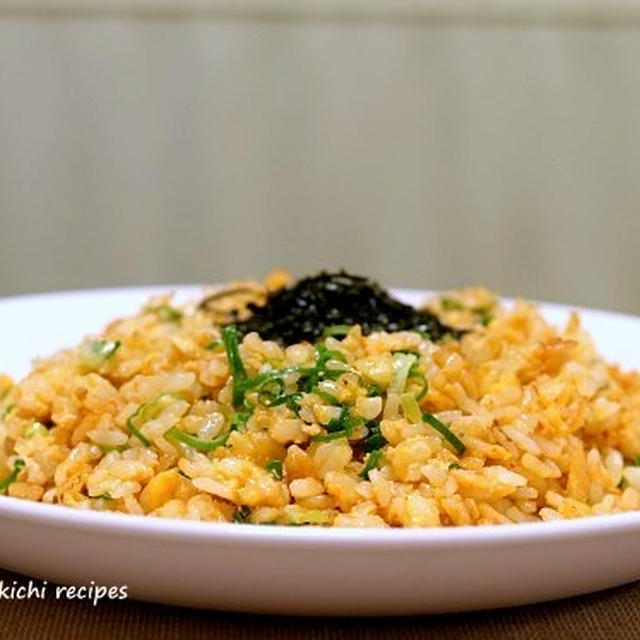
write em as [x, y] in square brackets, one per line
[550, 430]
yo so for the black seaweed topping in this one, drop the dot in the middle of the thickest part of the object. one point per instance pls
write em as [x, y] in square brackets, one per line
[310, 306]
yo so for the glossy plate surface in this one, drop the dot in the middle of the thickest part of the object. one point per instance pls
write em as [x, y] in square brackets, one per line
[301, 570]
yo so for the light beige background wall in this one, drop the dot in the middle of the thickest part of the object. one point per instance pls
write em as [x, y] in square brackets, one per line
[139, 149]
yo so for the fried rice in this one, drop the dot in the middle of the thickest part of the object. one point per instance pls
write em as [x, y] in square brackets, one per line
[170, 413]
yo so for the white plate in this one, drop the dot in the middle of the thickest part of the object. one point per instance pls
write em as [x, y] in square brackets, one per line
[301, 570]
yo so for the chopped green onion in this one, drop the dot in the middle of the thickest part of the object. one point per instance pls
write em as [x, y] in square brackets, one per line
[274, 467]
[241, 514]
[373, 390]
[7, 410]
[251, 384]
[135, 431]
[230, 340]
[325, 354]
[636, 461]
[327, 437]
[336, 330]
[106, 496]
[450, 304]
[454, 465]
[18, 465]
[35, 429]
[289, 399]
[198, 443]
[327, 397]
[340, 427]
[414, 372]
[165, 313]
[448, 435]
[238, 421]
[374, 440]
[109, 449]
[484, 314]
[336, 424]
[270, 390]
[270, 387]
[410, 408]
[402, 363]
[94, 353]
[310, 376]
[372, 462]
[213, 345]
[146, 412]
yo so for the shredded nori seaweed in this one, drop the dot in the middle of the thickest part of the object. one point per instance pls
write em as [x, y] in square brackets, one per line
[306, 309]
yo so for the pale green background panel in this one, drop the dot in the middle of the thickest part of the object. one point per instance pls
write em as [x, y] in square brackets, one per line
[147, 150]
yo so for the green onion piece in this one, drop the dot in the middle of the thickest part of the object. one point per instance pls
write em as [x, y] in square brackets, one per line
[7, 410]
[340, 427]
[327, 397]
[230, 340]
[337, 424]
[325, 354]
[454, 465]
[18, 465]
[270, 387]
[374, 440]
[336, 330]
[108, 449]
[213, 345]
[372, 462]
[327, 437]
[146, 412]
[251, 384]
[414, 372]
[636, 461]
[94, 353]
[373, 390]
[165, 313]
[449, 304]
[136, 432]
[241, 514]
[106, 496]
[410, 408]
[35, 429]
[289, 399]
[484, 314]
[238, 421]
[198, 443]
[270, 390]
[310, 376]
[402, 363]
[448, 435]
[274, 467]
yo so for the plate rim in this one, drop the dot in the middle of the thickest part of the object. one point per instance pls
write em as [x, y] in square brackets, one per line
[63, 516]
